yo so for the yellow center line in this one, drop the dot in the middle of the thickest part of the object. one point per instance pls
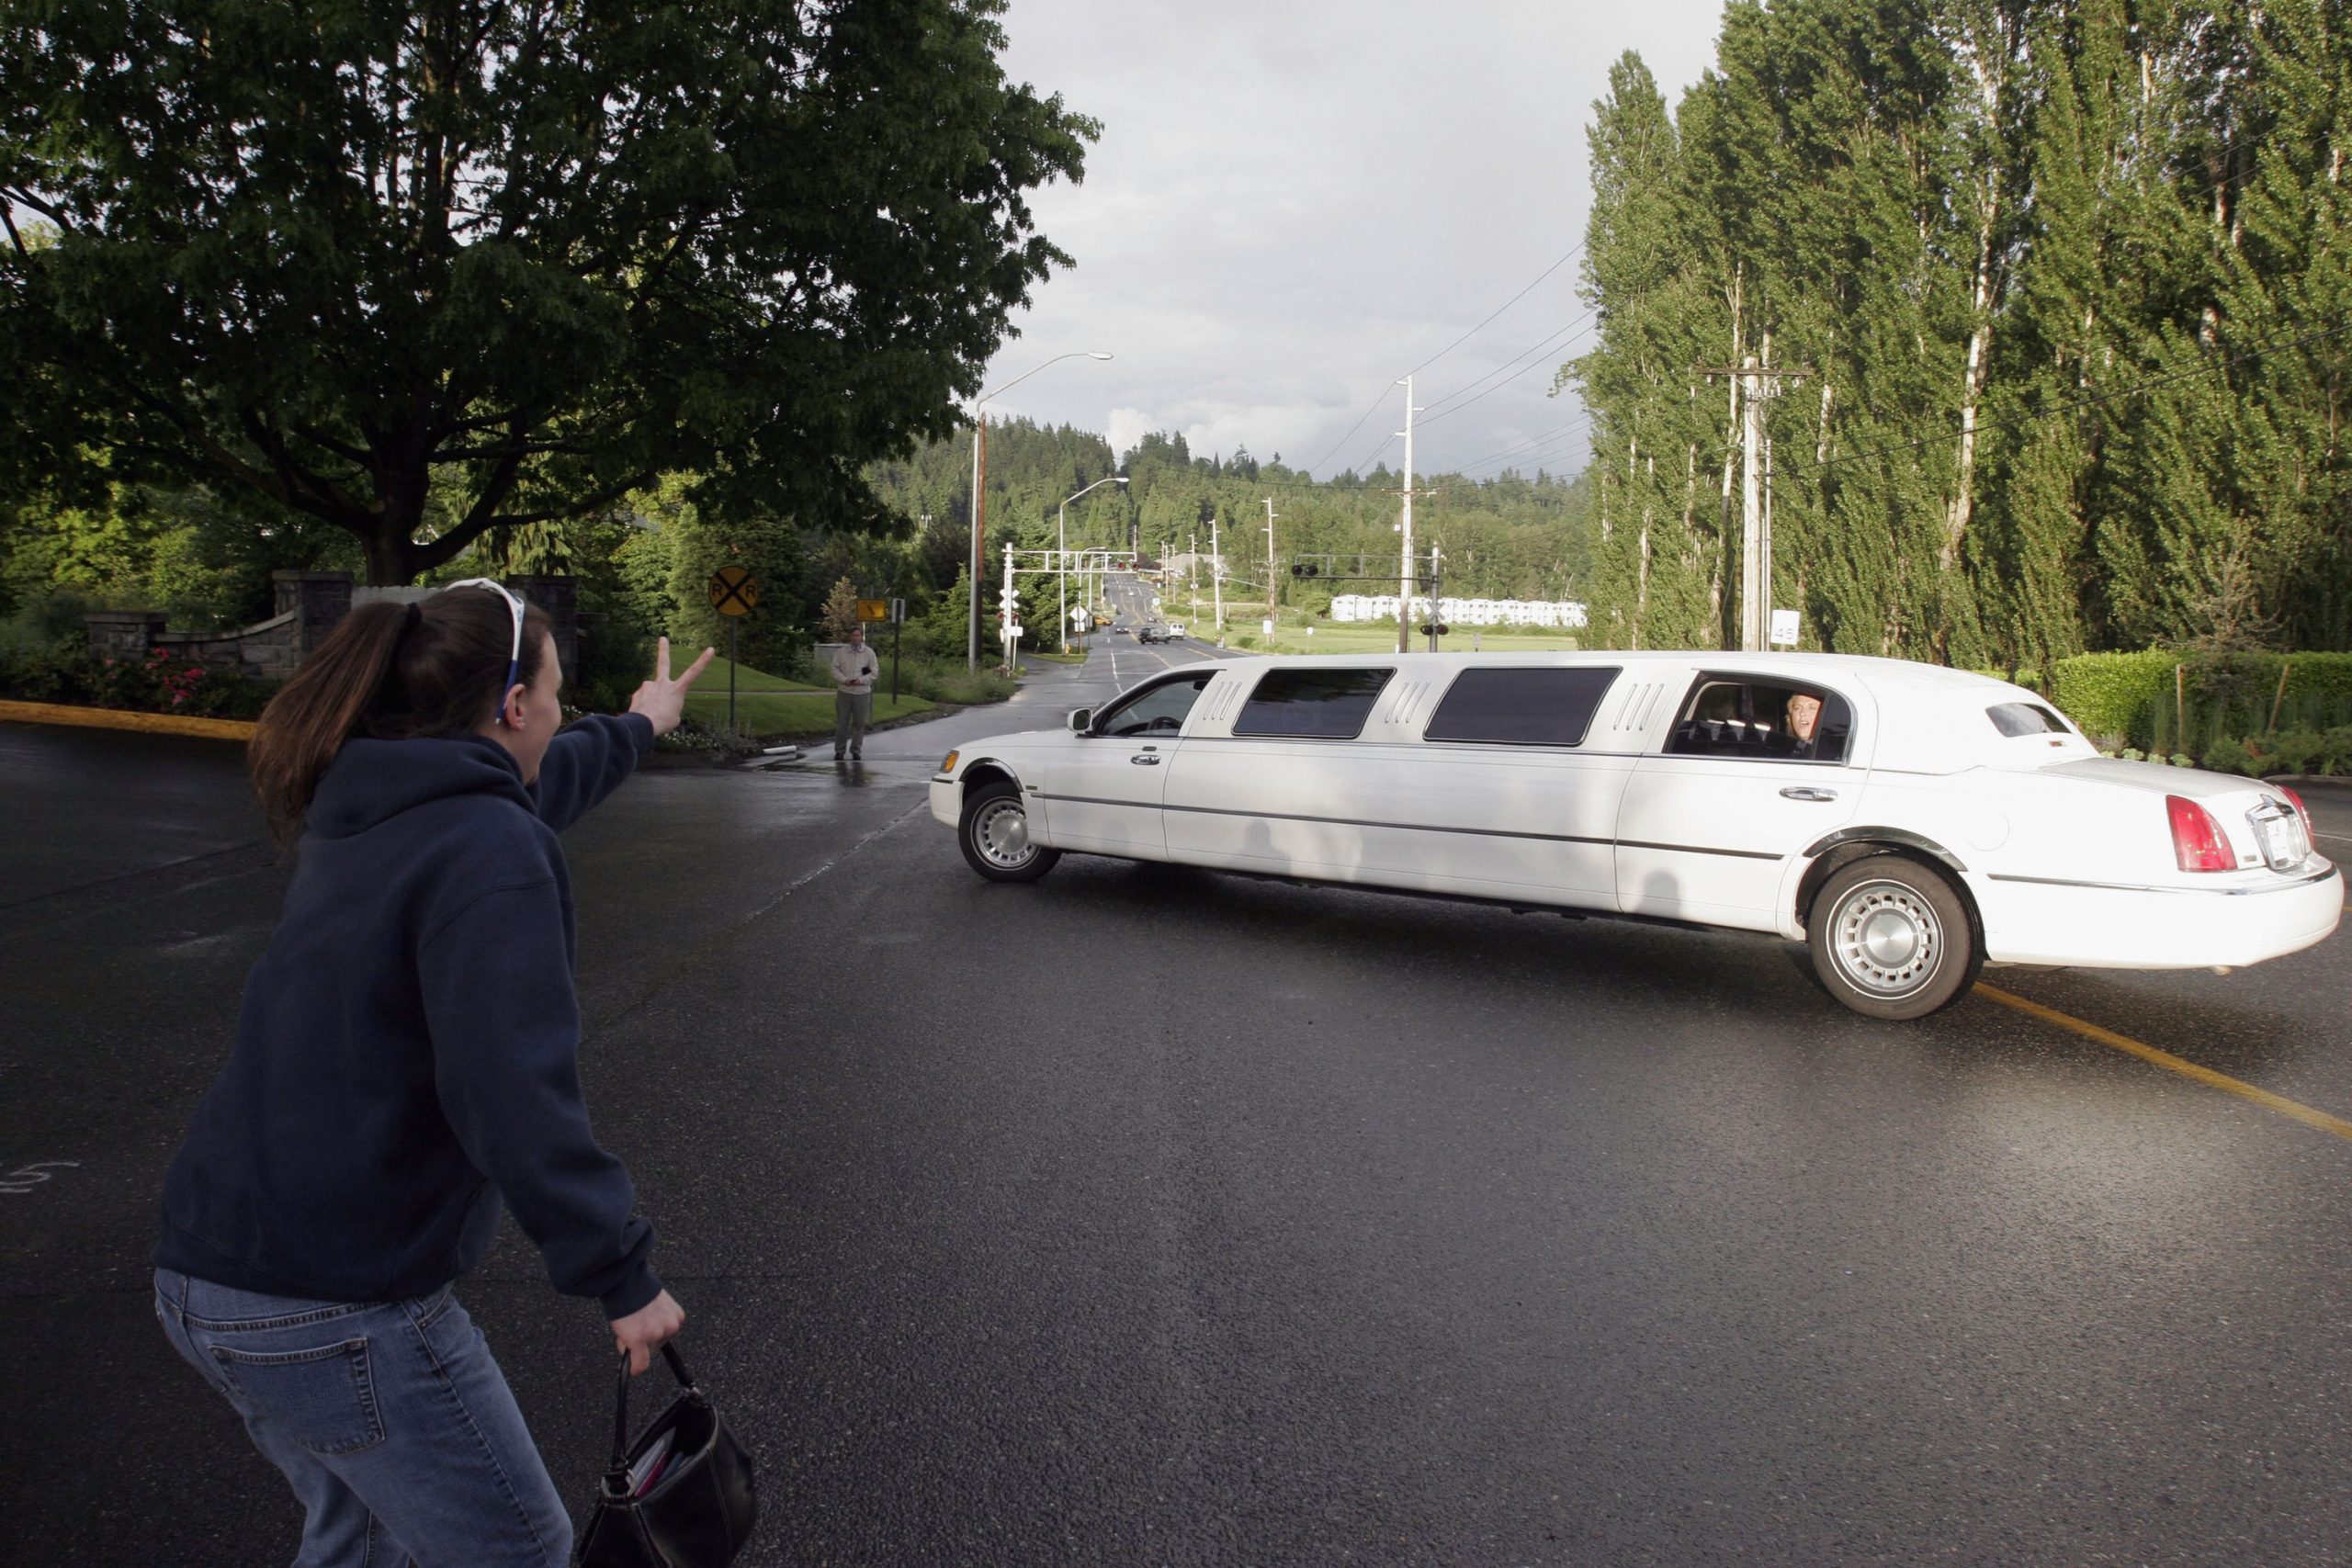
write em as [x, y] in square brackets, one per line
[2166, 1059]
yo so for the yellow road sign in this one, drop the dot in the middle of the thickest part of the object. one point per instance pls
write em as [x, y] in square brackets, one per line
[874, 609]
[733, 591]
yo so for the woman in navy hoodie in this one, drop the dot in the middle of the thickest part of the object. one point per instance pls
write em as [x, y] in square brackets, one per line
[406, 1058]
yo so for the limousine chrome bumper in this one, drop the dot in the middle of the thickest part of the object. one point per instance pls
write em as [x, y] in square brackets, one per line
[2104, 926]
[946, 800]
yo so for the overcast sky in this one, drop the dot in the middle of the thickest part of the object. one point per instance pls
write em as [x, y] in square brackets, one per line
[1295, 202]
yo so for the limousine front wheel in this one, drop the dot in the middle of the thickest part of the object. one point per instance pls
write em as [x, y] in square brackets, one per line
[1891, 938]
[995, 836]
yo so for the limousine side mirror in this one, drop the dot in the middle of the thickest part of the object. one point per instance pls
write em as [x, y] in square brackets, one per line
[1081, 720]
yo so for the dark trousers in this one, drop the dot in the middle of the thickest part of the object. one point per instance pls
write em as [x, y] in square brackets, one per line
[852, 711]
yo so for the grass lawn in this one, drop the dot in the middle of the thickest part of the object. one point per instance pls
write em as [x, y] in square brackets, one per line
[768, 705]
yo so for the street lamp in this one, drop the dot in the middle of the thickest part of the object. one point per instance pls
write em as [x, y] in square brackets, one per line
[979, 425]
[1061, 550]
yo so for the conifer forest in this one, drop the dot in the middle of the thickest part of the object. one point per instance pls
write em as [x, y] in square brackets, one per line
[2052, 304]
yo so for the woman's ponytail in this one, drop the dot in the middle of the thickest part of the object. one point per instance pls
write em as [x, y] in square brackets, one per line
[316, 709]
[391, 671]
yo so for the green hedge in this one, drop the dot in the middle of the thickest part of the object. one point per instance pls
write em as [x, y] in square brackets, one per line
[2106, 693]
[2129, 697]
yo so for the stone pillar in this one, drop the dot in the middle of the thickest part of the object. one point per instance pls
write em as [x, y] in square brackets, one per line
[123, 634]
[323, 598]
[559, 599]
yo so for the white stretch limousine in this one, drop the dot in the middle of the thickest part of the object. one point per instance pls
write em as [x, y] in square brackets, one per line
[1909, 822]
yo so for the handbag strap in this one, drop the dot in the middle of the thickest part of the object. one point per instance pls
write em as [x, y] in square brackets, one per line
[620, 1404]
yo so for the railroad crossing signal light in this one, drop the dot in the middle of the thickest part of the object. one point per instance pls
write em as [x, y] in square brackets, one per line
[1304, 568]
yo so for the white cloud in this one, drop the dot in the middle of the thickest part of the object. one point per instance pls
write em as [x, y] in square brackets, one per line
[1292, 205]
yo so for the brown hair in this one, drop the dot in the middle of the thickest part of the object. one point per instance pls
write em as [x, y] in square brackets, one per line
[389, 672]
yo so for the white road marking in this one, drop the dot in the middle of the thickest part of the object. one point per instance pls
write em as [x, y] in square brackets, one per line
[25, 1177]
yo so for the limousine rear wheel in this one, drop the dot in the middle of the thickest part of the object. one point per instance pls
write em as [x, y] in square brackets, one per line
[1891, 938]
[995, 835]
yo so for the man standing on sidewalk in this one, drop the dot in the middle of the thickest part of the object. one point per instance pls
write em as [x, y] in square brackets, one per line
[854, 668]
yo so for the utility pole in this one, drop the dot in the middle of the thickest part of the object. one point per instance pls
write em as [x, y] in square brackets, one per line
[1273, 583]
[1755, 580]
[979, 445]
[1437, 587]
[1756, 381]
[1217, 576]
[1011, 641]
[1764, 554]
[1405, 551]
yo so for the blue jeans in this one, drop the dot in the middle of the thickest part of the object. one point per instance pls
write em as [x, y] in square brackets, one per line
[390, 1420]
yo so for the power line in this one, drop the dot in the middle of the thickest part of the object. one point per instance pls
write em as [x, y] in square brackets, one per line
[1498, 310]
[1491, 392]
[1438, 408]
[1542, 453]
[1343, 441]
[1582, 420]
[1365, 465]
[1349, 433]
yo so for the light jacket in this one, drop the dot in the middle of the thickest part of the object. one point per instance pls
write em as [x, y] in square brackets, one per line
[854, 668]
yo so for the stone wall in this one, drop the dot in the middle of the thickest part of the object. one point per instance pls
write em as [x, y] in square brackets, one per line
[309, 605]
[268, 650]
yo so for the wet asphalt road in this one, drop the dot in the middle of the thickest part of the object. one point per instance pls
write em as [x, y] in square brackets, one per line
[1148, 1216]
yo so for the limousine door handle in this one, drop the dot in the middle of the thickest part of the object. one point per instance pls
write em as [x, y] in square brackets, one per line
[1146, 761]
[1807, 791]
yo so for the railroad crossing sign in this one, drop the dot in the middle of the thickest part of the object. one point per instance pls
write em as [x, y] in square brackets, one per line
[873, 609]
[733, 591]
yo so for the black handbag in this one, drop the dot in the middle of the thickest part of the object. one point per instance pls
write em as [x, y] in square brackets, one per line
[681, 1496]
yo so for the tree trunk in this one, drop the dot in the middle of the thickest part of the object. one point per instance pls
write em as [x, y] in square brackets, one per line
[1641, 592]
[386, 555]
[389, 532]
[1963, 506]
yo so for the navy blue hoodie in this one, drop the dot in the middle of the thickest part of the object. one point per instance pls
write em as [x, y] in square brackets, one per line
[407, 1050]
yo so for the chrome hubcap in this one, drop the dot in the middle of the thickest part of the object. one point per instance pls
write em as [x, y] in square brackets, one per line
[1001, 834]
[1888, 939]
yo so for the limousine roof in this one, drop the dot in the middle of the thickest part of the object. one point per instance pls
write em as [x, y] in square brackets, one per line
[1927, 718]
[1879, 674]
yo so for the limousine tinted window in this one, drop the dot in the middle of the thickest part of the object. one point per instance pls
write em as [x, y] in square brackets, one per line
[1750, 719]
[1320, 705]
[2014, 719]
[1520, 707]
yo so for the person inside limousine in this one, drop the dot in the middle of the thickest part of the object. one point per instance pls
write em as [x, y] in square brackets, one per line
[1802, 725]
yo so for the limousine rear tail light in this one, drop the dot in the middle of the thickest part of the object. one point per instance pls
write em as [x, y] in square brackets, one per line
[2197, 841]
[2295, 801]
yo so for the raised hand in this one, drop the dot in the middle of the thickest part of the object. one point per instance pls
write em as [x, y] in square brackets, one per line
[662, 700]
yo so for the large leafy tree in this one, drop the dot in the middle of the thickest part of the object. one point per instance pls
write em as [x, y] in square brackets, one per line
[424, 272]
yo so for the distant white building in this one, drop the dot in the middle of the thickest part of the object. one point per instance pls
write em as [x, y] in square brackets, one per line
[1463, 612]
